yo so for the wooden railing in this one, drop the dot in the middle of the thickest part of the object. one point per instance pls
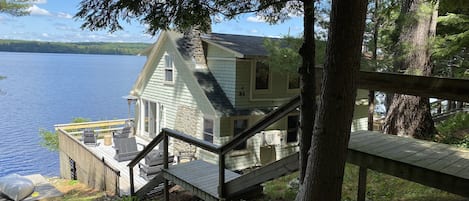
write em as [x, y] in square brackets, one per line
[454, 89]
[92, 170]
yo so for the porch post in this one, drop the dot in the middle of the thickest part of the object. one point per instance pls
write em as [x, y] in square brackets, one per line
[165, 165]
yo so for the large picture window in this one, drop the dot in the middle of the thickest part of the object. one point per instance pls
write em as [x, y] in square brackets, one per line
[239, 126]
[292, 130]
[208, 130]
[262, 76]
[168, 68]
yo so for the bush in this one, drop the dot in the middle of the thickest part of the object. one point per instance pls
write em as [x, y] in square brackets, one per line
[454, 130]
[50, 140]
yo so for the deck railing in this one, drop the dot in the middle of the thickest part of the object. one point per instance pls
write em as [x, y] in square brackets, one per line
[89, 169]
[446, 88]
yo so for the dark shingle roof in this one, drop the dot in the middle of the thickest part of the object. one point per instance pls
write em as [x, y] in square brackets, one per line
[246, 45]
[213, 91]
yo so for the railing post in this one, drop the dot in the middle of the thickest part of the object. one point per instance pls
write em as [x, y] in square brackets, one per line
[361, 194]
[131, 174]
[221, 176]
[371, 109]
[165, 165]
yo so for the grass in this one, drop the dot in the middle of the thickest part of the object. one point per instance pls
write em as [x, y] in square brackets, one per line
[379, 187]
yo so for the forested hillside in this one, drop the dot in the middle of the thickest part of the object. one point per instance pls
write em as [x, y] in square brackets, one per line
[78, 48]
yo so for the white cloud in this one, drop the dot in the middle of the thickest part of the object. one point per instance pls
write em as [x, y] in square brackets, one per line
[254, 31]
[257, 19]
[45, 35]
[38, 1]
[35, 10]
[64, 15]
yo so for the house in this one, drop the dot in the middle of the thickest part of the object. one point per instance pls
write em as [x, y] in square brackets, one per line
[213, 87]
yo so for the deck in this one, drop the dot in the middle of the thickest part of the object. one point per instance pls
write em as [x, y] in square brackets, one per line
[199, 177]
[108, 153]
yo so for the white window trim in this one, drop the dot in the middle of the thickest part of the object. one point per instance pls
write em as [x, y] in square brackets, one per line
[165, 68]
[213, 129]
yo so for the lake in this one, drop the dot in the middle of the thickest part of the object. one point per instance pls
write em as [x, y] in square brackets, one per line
[41, 90]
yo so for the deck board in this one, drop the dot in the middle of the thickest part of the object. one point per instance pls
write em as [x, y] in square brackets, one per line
[200, 175]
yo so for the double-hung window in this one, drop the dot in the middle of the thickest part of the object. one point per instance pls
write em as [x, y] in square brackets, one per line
[262, 76]
[240, 125]
[208, 130]
[292, 130]
[168, 68]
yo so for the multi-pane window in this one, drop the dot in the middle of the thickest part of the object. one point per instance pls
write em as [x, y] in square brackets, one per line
[240, 125]
[208, 130]
[168, 68]
[292, 130]
[293, 81]
[262, 76]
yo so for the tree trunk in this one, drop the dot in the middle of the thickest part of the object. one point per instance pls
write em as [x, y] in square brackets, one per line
[417, 24]
[326, 161]
[308, 86]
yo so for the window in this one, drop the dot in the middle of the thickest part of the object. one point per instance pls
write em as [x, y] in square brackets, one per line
[293, 81]
[168, 68]
[239, 126]
[73, 169]
[262, 76]
[292, 130]
[146, 107]
[208, 130]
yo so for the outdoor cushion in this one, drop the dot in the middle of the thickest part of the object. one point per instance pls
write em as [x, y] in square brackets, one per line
[16, 187]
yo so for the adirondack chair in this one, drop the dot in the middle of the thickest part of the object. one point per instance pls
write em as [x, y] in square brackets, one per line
[126, 149]
[124, 133]
[89, 137]
[153, 164]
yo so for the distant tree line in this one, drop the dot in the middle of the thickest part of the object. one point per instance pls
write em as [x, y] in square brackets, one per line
[76, 48]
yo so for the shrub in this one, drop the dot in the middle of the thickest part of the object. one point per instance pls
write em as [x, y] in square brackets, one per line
[454, 130]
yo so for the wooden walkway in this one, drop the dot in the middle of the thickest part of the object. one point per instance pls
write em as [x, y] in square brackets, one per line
[432, 164]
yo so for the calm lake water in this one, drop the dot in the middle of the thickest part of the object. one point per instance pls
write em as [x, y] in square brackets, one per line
[42, 90]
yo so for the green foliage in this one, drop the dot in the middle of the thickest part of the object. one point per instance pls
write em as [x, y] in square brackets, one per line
[78, 48]
[454, 130]
[284, 56]
[380, 187]
[14, 7]
[50, 140]
[2, 77]
[174, 14]
[80, 120]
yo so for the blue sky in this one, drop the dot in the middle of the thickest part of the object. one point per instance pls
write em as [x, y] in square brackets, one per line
[52, 20]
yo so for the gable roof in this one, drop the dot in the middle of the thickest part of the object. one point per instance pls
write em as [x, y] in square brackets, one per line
[242, 45]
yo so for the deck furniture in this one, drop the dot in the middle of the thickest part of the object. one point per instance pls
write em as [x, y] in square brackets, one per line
[126, 149]
[153, 164]
[124, 133]
[89, 137]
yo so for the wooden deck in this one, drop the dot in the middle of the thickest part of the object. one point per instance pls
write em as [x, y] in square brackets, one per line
[199, 177]
[108, 153]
